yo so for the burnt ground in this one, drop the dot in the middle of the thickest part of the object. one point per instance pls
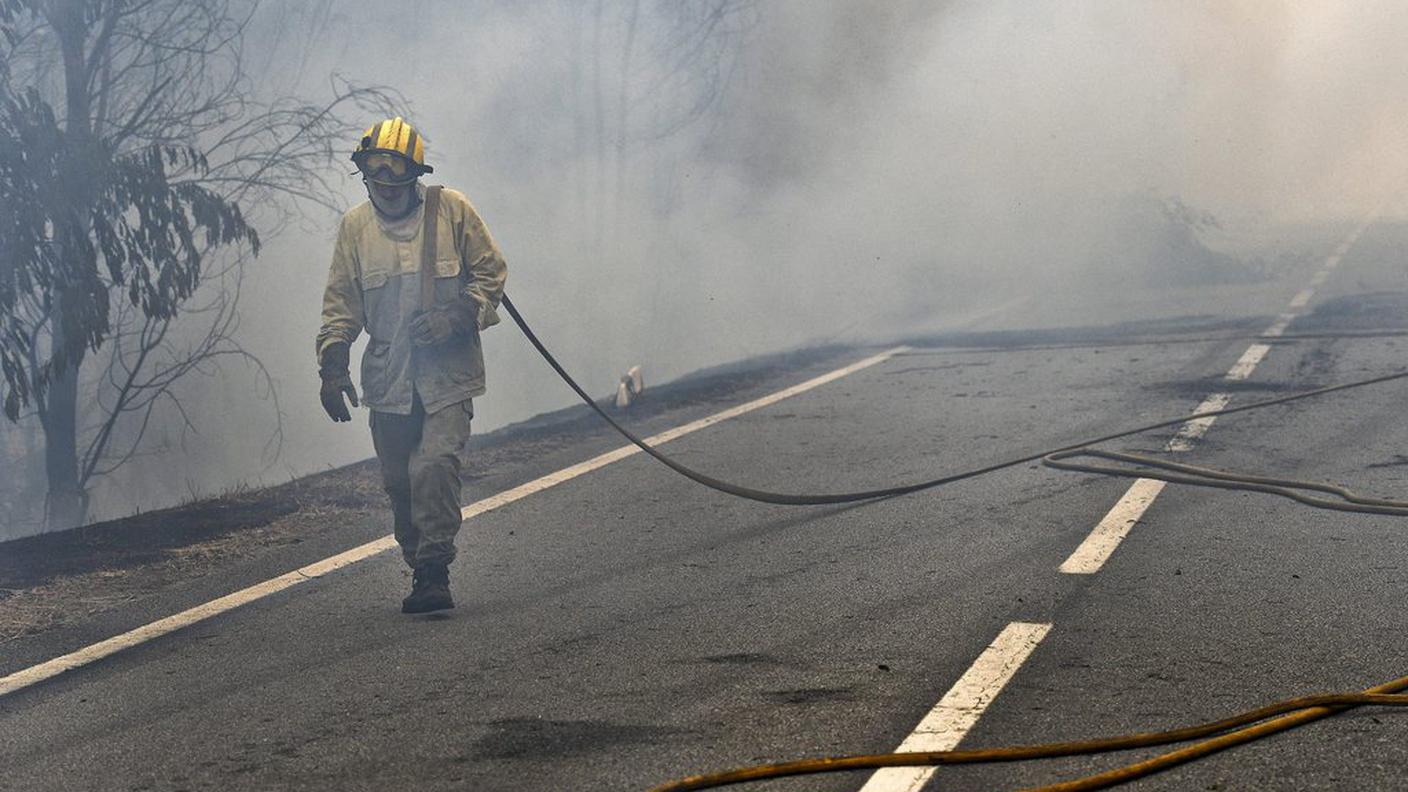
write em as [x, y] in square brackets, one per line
[57, 577]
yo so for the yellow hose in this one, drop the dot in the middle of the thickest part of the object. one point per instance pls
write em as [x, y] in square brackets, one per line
[1386, 694]
[1236, 730]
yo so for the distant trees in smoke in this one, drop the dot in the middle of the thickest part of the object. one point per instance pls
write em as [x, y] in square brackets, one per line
[642, 71]
[139, 171]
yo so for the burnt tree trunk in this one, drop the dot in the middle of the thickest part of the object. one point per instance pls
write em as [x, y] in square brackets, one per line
[66, 503]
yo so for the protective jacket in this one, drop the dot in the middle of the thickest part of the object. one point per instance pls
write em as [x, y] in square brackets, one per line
[374, 283]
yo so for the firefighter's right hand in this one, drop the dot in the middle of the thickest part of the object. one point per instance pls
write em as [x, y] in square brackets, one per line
[333, 389]
[333, 366]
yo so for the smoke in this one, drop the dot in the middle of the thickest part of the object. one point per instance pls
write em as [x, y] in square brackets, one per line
[683, 184]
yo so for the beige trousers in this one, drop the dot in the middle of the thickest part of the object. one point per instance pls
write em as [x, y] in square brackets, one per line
[421, 456]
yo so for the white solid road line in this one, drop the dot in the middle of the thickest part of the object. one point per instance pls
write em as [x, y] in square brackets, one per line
[956, 713]
[1107, 535]
[553, 479]
[89, 654]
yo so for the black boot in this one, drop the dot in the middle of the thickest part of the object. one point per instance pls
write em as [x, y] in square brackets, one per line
[430, 590]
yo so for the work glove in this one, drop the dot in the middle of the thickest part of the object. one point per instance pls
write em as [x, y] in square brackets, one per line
[337, 381]
[443, 322]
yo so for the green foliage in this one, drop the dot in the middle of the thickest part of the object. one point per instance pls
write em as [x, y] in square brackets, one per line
[79, 221]
[28, 267]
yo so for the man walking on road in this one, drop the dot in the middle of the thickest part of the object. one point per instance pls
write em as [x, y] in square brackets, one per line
[417, 269]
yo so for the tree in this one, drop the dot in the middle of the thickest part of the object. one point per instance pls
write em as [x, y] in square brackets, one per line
[147, 188]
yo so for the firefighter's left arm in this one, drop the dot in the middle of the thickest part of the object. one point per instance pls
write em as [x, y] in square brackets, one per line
[485, 264]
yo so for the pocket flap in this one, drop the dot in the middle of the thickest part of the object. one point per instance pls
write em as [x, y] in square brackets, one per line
[447, 267]
[373, 280]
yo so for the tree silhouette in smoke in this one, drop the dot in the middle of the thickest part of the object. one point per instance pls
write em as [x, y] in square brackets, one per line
[128, 202]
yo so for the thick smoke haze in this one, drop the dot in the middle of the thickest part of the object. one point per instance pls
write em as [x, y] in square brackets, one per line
[685, 184]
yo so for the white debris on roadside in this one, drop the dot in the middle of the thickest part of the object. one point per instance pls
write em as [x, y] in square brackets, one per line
[629, 388]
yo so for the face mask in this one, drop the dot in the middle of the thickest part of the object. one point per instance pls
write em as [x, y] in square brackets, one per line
[393, 202]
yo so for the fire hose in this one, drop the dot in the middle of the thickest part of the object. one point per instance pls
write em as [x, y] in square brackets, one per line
[1215, 736]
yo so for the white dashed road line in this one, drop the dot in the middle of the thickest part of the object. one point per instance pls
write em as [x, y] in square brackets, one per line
[1107, 535]
[1189, 433]
[956, 713]
[959, 710]
[1113, 528]
[1300, 300]
[1247, 363]
[1279, 326]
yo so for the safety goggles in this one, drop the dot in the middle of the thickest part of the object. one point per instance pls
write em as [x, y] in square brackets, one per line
[381, 166]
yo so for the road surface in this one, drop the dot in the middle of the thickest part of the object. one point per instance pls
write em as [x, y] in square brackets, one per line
[624, 626]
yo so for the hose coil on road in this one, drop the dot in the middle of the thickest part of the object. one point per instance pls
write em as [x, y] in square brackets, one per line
[1053, 458]
[1216, 736]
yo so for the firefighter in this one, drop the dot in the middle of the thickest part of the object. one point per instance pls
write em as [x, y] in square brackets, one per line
[415, 267]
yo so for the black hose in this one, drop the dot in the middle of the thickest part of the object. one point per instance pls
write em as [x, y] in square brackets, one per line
[1051, 458]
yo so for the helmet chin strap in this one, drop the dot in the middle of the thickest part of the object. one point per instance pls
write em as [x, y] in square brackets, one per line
[411, 203]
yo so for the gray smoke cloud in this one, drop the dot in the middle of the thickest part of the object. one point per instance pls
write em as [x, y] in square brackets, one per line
[684, 184]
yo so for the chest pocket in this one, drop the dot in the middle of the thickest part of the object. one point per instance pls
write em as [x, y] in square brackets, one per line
[373, 280]
[380, 304]
[448, 278]
[447, 267]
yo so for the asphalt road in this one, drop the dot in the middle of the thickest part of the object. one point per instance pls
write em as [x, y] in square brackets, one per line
[627, 626]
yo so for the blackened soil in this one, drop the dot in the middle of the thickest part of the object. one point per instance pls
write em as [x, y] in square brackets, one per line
[146, 538]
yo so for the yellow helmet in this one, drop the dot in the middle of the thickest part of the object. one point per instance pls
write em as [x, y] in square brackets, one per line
[391, 152]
